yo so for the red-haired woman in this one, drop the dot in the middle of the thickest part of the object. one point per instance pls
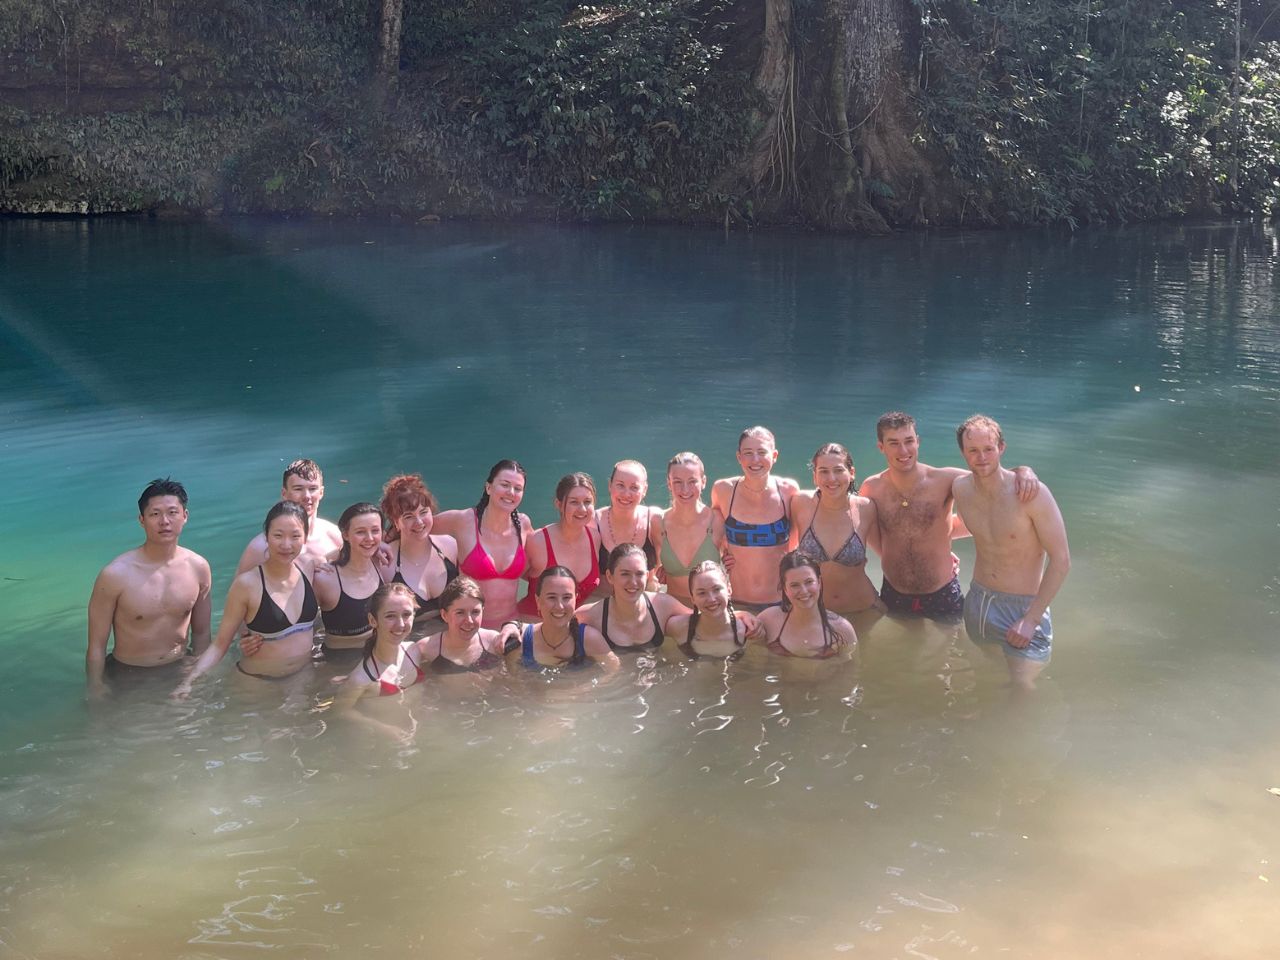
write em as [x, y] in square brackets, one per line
[422, 562]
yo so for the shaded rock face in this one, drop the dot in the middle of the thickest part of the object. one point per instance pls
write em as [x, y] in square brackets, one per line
[67, 207]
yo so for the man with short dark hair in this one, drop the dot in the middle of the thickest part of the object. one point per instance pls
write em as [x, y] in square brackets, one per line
[151, 599]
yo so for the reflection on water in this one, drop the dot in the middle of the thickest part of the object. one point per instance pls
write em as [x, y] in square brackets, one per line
[905, 804]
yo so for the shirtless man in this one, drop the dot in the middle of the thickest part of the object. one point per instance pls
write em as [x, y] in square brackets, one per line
[913, 506]
[303, 483]
[755, 509]
[151, 598]
[1008, 600]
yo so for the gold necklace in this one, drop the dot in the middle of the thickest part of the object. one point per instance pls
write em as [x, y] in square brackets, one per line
[906, 497]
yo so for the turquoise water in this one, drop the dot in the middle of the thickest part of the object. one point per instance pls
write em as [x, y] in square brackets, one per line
[899, 807]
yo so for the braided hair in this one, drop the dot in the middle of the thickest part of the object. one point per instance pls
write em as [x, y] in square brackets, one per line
[496, 469]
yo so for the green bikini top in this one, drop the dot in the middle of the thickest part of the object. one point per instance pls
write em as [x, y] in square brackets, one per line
[671, 563]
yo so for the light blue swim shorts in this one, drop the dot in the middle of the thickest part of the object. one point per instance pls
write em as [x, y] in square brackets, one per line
[988, 615]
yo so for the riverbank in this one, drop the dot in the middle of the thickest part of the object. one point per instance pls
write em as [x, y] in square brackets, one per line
[867, 117]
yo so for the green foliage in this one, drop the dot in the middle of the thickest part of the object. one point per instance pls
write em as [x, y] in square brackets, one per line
[613, 110]
[1044, 110]
[1085, 111]
[267, 105]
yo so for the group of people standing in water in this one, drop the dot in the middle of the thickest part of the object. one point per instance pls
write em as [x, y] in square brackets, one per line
[400, 589]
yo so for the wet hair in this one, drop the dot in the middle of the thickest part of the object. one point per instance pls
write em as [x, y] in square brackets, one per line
[707, 566]
[794, 560]
[698, 570]
[287, 508]
[496, 469]
[893, 420]
[303, 469]
[559, 570]
[758, 433]
[571, 480]
[687, 459]
[162, 487]
[622, 551]
[344, 521]
[377, 600]
[982, 422]
[460, 586]
[629, 463]
[836, 449]
[405, 493]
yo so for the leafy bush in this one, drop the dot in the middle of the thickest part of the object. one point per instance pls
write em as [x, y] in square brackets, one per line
[617, 110]
[1087, 111]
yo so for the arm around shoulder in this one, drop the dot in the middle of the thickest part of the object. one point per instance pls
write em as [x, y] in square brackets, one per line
[254, 553]
[597, 649]
[448, 546]
[1025, 483]
[449, 522]
[668, 607]
[869, 528]
[589, 613]
[677, 627]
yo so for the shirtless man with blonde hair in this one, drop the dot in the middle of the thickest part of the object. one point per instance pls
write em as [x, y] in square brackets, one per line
[153, 598]
[1008, 599]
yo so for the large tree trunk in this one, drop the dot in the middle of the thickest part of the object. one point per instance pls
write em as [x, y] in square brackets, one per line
[771, 158]
[844, 172]
[897, 179]
[390, 22]
[834, 141]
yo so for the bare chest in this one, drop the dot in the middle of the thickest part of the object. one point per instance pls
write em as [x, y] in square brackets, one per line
[999, 526]
[160, 594]
[911, 516]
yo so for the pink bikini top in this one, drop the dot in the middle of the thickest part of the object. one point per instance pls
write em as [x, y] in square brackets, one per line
[479, 565]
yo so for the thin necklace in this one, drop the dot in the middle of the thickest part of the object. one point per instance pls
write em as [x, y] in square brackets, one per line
[557, 645]
[613, 534]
